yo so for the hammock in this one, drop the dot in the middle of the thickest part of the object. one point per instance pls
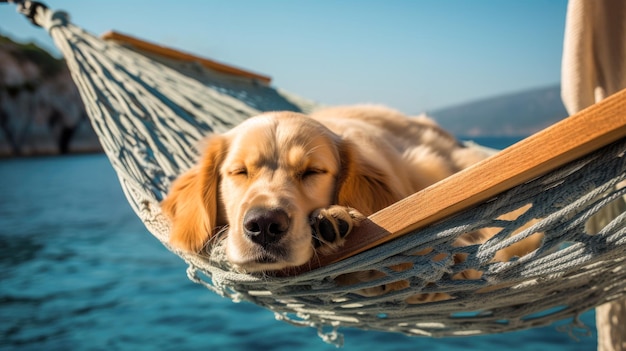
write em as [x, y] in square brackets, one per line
[150, 116]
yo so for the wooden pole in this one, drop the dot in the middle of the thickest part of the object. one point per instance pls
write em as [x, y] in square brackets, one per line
[182, 56]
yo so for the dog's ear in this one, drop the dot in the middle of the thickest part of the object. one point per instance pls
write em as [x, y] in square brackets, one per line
[362, 185]
[192, 203]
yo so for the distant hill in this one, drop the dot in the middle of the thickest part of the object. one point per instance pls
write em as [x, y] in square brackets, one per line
[517, 114]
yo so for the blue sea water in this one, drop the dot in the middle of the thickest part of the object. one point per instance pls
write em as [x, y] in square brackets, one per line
[78, 271]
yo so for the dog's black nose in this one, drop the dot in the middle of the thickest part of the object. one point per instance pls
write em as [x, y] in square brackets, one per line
[265, 226]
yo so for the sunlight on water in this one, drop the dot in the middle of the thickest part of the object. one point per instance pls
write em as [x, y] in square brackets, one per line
[79, 271]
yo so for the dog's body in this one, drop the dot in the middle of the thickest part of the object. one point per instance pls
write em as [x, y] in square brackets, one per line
[283, 185]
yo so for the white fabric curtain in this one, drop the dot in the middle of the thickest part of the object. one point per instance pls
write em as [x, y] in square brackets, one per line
[594, 52]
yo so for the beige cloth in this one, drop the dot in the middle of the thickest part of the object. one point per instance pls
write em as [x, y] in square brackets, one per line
[594, 67]
[594, 52]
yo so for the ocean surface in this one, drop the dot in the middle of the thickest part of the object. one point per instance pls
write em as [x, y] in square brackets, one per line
[78, 271]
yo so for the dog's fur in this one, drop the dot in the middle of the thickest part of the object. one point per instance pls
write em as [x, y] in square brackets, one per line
[282, 186]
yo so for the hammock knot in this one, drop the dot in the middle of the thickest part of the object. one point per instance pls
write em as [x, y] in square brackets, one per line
[55, 19]
[435, 270]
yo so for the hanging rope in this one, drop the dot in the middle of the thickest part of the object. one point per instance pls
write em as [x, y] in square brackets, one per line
[149, 117]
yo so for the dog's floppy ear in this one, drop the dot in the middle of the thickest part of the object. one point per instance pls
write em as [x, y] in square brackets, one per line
[192, 203]
[362, 185]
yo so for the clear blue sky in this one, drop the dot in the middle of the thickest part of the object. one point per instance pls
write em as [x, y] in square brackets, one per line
[414, 55]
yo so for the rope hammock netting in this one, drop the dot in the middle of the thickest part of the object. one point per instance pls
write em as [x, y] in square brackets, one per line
[150, 115]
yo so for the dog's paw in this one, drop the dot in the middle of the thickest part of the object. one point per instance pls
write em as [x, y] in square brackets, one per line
[331, 225]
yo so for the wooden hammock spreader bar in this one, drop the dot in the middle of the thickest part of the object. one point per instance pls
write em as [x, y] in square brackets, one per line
[555, 146]
[181, 56]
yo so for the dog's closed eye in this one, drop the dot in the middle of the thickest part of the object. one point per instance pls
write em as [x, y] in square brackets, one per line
[239, 171]
[311, 172]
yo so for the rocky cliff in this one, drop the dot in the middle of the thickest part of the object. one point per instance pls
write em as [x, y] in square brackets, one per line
[40, 108]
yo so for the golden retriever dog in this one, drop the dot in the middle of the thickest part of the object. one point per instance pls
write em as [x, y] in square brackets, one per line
[282, 186]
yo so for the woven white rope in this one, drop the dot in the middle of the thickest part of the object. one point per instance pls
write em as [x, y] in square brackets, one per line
[150, 117]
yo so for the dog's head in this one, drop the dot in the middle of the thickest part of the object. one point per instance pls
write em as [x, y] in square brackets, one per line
[261, 180]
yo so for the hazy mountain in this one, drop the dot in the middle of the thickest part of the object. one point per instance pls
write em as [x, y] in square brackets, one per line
[518, 114]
